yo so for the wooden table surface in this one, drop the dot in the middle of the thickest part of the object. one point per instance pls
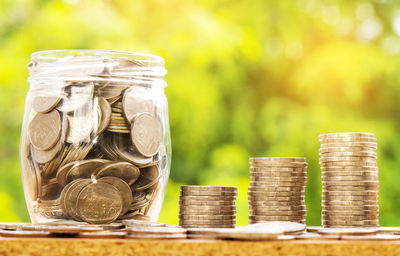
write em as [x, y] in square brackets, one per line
[109, 247]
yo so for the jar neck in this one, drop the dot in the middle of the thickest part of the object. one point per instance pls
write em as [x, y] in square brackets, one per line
[55, 69]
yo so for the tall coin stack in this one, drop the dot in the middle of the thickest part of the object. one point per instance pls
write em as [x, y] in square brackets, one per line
[207, 207]
[350, 185]
[276, 190]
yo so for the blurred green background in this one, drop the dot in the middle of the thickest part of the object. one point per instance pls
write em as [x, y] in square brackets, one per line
[246, 78]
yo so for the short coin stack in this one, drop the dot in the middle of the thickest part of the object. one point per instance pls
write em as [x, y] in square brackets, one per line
[350, 180]
[207, 207]
[276, 190]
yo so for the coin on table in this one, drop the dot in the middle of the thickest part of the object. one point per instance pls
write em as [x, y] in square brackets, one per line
[351, 208]
[137, 99]
[156, 236]
[349, 178]
[146, 134]
[208, 193]
[141, 223]
[123, 170]
[348, 231]
[276, 159]
[184, 211]
[248, 234]
[351, 197]
[45, 130]
[348, 203]
[257, 187]
[351, 154]
[350, 222]
[207, 226]
[360, 174]
[208, 188]
[349, 163]
[186, 202]
[155, 230]
[277, 170]
[206, 217]
[351, 183]
[209, 222]
[69, 196]
[350, 149]
[24, 234]
[316, 236]
[99, 203]
[266, 203]
[123, 188]
[275, 218]
[277, 213]
[327, 159]
[103, 235]
[44, 104]
[278, 208]
[260, 192]
[351, 193]
[352, 214]
[350, 188]
[262, 197]
[149, 176]
[371, 145]
[206, 208]
[280, 165]
[84, 169]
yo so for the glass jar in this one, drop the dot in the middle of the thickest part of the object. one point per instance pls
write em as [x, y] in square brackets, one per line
[95, 143]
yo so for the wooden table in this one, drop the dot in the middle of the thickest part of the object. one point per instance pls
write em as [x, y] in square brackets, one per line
[109, 247]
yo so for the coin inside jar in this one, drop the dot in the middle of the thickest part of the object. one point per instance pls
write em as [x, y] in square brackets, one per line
[45, 130]
[146, 134]
[44, 104]
[99, 203]
[124, 189]
[149, 176]
[123, 170]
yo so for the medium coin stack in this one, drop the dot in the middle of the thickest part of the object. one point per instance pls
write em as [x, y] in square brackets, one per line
[350, 185]
[207, 207]
[276, 190]
[93, 153]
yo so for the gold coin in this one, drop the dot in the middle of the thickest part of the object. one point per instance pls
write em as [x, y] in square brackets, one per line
[207, 226]
[261, 203]
[278, 170]
[350, 188]
[24, 234]
[349, 140]
[208, 188]
[50, 191]
[138, 196]
[207, 217]
[99, 203]
[207, 193]
[348, 231]
[69, 196]
[324, 159]
[350, 198]
[62, 173]
[351, 154]
[339, 179]
[45, 130]
[103, 235]
[208, 198]
[146, 134]
[340, 150]
[260, 196]
[274, 193]
[351, 193]
[44, 156]
[208, 208]
[349, 163]
[346, 134]
[44, 104]
[278, 208]
[277, 213]
[350, 183]
[112, 92]
[84, 169]
[343, 173]
[351, 208]
[277, 159]
[149, 176]
[280, 165]
[137, 100]
[353, 215]
[348, 203]
[274, 188]
[184, 211]
[206, 222]
[350, 222]
[123, 188]
[30, 179]
[186, 202]
[275, 218]
[371, 145]
[265, 179]
[123, 170]
[104, 115]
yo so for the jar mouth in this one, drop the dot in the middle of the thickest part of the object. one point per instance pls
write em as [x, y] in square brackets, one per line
[99, 66]
[54, 55]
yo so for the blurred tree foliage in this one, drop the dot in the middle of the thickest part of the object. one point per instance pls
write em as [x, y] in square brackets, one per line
[246, 78]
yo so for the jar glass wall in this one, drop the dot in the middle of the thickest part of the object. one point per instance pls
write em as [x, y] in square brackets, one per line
[95, 142]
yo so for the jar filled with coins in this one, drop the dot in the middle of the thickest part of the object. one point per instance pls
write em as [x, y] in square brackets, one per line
[95, 142]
